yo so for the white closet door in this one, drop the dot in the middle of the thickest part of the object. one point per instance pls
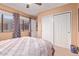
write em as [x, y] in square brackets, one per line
[47, 28]
[62, 34]
[33, 28]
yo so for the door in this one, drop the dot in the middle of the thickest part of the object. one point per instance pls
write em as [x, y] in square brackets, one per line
[62, 30]
[47, 28]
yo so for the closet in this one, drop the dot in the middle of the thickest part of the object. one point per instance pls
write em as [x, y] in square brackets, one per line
[57, 29]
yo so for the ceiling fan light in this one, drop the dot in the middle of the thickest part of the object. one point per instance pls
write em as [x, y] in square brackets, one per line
[27, 6]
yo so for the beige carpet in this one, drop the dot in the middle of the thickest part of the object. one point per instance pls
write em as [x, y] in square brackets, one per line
[63, 52]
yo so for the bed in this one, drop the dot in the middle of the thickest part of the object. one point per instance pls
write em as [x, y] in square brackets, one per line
[26, 46]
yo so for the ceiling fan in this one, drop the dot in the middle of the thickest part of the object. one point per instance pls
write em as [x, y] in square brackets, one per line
[28, 5]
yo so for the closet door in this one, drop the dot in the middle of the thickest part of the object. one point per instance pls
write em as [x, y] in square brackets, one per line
[62, 33]
[47, 28]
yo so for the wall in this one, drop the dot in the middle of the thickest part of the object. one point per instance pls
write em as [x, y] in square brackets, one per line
[25, 33]
[78, 27]
[8, 35]
[5, 35]
[74, 22]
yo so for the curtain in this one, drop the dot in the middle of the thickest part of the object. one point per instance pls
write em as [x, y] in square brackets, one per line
[16, 25]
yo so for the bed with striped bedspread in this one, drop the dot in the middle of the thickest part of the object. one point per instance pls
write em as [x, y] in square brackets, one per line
[26, 46]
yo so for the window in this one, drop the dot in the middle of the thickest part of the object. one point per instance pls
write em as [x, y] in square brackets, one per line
[6, 22]
[24, 23]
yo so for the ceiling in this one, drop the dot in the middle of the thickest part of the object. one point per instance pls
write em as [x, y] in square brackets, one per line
[34, 9]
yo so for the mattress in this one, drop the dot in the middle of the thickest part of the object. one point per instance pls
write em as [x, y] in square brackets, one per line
[26, 46]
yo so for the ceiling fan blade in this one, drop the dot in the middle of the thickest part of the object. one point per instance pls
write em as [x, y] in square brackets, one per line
[28, 5]
[38, 3]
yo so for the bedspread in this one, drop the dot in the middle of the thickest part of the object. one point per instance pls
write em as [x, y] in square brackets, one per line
[26, 46]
